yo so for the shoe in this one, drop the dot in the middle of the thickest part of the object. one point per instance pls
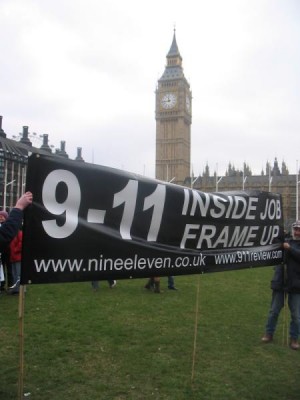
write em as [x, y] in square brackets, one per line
[113, 284]
[267, 338]
[15, 285]
[294, 344]
[149, 285]
[172, 288]
[13, 291]
[157, 287]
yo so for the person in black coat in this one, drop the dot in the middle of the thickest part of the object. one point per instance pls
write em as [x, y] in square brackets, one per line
[11, 226]
[6, 266]
[286, 282]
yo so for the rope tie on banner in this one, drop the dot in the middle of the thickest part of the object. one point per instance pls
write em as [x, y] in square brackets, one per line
[195, 328]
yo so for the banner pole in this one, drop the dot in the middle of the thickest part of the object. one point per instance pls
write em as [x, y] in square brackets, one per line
[195, 329]
[21, 342]
[285, 324]
[287, 321]
[6, 276]
[285, 311]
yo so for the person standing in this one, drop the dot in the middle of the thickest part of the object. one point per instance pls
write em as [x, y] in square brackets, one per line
[5, 267]
[153, 284]
[15, 260]
[171, 283]
[111, 283]
[286, 284]
[13, 223]
[10, 227]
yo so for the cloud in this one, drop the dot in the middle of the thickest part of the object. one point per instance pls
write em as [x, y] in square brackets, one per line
[86, 72]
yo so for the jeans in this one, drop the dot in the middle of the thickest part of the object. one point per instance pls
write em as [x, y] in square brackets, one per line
[171, 282]
[16, 273]
[95, 284]
[277, 304]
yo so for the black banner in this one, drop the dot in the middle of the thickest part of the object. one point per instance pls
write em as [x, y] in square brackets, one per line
[89, 222]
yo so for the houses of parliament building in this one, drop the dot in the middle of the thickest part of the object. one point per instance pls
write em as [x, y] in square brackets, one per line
[173, 114]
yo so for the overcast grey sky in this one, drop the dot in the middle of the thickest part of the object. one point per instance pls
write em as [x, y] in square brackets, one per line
[86, 72]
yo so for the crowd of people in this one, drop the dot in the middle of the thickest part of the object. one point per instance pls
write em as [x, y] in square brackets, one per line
[285, 284]
[152, 284]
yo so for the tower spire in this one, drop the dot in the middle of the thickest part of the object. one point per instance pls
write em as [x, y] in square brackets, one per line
[173, 69]
[173, 52]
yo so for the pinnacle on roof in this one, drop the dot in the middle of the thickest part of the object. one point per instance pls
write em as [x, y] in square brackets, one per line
[174, 48]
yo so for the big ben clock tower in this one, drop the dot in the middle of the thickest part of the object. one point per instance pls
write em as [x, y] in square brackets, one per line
[173, 121]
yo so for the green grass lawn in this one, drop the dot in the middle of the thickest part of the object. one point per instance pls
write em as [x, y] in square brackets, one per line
[128, 343]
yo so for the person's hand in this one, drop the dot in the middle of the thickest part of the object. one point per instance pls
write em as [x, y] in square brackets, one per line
[24, 201]
[286, 246]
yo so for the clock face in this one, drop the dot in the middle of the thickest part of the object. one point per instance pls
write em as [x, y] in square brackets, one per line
[188, 103]
[169, 100]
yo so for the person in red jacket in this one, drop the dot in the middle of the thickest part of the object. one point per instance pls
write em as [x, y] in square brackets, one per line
[6, 267]
[10, 227]
[15, 260]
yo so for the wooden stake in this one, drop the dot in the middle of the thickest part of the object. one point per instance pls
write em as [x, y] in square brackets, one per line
[21, 342]
[6, 277]
[195, 329]
[285, 334]
[285, 338]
